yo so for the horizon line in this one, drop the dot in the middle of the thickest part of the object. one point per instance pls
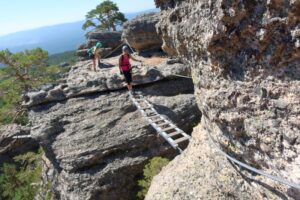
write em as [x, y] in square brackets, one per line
[61, 23]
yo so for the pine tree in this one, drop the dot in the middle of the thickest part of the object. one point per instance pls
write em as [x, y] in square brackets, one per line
[107, 15]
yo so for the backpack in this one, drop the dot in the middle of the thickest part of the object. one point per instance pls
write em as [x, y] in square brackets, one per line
[90, 51]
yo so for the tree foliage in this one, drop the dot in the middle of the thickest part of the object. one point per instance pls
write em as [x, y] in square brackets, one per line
[23, 71]
[106, 15]
[154, 166]
[19, 181]
[20, 64]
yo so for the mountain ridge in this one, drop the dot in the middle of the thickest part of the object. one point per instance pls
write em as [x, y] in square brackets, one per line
[55, 38]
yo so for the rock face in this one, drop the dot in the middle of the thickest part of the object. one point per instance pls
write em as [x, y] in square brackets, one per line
[10, 147]
[140, 32]
[95, 140]
[109, 40]
[245, 59]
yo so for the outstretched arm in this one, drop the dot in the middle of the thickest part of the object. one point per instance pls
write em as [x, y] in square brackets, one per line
[134, 59]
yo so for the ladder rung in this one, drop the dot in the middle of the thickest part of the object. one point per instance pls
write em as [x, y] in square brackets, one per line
[159, 120]
[174, 134]
[149, 111]
[154, 116]
[150, 114]
[167, 129]
[163, 124]
[146, 107]
[182, 139]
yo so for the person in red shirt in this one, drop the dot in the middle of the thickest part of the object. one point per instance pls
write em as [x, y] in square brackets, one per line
[125, 66]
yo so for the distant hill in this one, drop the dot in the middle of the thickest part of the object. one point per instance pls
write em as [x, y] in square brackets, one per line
[55, 39]
[68, 57]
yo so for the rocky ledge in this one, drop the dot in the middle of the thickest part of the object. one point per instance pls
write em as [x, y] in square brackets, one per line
[10, 147]
[95, 140]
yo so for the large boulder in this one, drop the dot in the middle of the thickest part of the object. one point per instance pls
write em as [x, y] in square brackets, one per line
[140, 32]
[110, 41]
[245, 59]
[95, 140]
[107, 38]
[10, 147]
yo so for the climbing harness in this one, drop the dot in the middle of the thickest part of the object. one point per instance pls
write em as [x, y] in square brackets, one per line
[165, 128]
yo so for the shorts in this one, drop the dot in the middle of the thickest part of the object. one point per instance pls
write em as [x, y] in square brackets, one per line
[128, 76]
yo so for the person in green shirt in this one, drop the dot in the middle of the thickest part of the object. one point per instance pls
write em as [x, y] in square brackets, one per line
[94, 53]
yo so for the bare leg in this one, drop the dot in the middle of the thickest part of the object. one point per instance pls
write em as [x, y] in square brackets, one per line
[94, 64]
[99, 60]
[129, 86]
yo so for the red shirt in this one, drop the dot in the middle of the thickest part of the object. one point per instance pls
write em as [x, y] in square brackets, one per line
[125, 63]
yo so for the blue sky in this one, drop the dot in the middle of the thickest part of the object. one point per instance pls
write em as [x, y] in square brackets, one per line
[17, 15]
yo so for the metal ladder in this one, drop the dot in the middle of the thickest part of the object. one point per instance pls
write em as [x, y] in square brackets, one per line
[165, 128]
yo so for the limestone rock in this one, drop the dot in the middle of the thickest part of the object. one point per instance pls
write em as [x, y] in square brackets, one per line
[245, 68]
[96, 142]
[10, 147]
[140, 32]
[108, 39]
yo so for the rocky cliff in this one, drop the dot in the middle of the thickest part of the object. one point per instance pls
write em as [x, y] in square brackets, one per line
[141, 34]
[96, 143]
[245, 58]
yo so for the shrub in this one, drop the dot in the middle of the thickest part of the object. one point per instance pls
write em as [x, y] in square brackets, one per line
[154, 166]
[18, 181]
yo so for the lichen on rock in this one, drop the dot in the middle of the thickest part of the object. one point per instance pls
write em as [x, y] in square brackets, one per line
[245, 68]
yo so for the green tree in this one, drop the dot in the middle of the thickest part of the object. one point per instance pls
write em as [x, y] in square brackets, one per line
[154, 166]
[18, 76]
[23, 71]
[108, 16]
[21, 64]
[19, 181]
